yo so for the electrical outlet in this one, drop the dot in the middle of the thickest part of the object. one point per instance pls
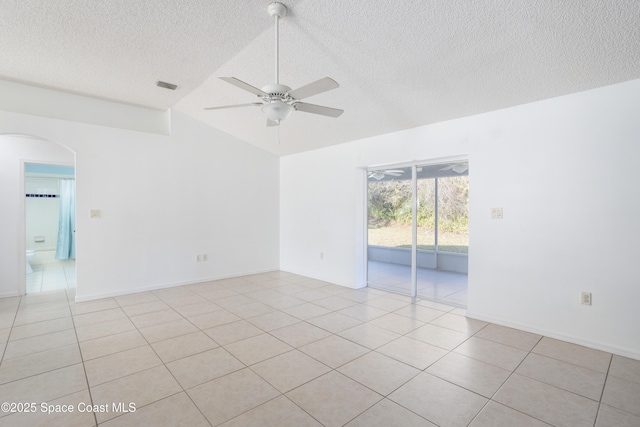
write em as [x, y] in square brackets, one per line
[205, 257]
[198, 258]
[496, 213]
[585, 298]
[321, 255]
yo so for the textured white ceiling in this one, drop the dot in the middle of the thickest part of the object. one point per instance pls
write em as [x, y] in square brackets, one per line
[399, 65]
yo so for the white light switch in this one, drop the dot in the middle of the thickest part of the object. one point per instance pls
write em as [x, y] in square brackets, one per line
[94, 213]
[496, 213]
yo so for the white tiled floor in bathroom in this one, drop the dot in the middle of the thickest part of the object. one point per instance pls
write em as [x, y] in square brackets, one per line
[51, 277]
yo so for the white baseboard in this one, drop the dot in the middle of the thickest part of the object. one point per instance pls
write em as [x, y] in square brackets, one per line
[609, 348]
[322, 280]
[92, 297]
[10, 294]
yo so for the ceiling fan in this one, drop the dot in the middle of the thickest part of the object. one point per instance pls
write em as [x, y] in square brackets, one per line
[378, 175]
[457, 168]
[279, 101]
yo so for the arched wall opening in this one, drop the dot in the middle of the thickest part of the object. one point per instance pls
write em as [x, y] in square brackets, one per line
[16, 150]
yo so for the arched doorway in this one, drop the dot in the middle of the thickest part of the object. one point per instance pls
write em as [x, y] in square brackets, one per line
[17, 151]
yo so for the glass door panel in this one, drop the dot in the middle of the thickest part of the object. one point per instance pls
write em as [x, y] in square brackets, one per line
[442, 262]
[453, 214]
[389, 229]
[426, 215]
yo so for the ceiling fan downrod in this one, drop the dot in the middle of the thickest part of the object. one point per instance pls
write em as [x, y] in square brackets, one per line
[278, 11]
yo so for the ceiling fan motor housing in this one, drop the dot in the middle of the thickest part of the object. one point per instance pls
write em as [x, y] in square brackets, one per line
[277, 92]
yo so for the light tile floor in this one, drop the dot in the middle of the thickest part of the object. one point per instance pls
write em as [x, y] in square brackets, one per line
[50, 277]
[435, 285]
[276, 349]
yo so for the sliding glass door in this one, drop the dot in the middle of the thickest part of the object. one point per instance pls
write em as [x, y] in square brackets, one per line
[443, 224]
[417, 231]
[389, 229]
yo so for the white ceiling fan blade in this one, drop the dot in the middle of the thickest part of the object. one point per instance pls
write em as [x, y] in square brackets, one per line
[457, 168]
[317, 109]
[392, 173]
[271, 123]
[314, 88]
[253, 104]
[242, 85]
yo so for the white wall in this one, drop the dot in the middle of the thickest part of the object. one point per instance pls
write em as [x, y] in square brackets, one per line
[322, 200]
[565, 172]
[163, 199]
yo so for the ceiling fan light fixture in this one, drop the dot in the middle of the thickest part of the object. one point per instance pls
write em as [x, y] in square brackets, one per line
[277, 110]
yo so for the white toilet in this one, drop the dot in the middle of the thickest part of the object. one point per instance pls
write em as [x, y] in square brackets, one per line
[30, 254]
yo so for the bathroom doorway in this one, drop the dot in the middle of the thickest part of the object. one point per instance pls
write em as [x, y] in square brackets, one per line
[49, 227]
[16, 150]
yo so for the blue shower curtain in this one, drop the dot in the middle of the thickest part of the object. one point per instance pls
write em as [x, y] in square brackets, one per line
[66, 247]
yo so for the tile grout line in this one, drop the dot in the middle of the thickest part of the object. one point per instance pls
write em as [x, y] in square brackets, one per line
[436, 361]
[368, 352]
[152, 349]
[604, 385]
[84, 368]
[4, 351]
[242, 363]
[292, 349]
[491, 399]
[61, 367]
[163, 362]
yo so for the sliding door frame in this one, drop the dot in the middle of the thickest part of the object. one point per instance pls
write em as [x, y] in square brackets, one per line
[414, 211]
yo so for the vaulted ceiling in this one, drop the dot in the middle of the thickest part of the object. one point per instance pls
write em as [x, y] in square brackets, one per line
[399, 65]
